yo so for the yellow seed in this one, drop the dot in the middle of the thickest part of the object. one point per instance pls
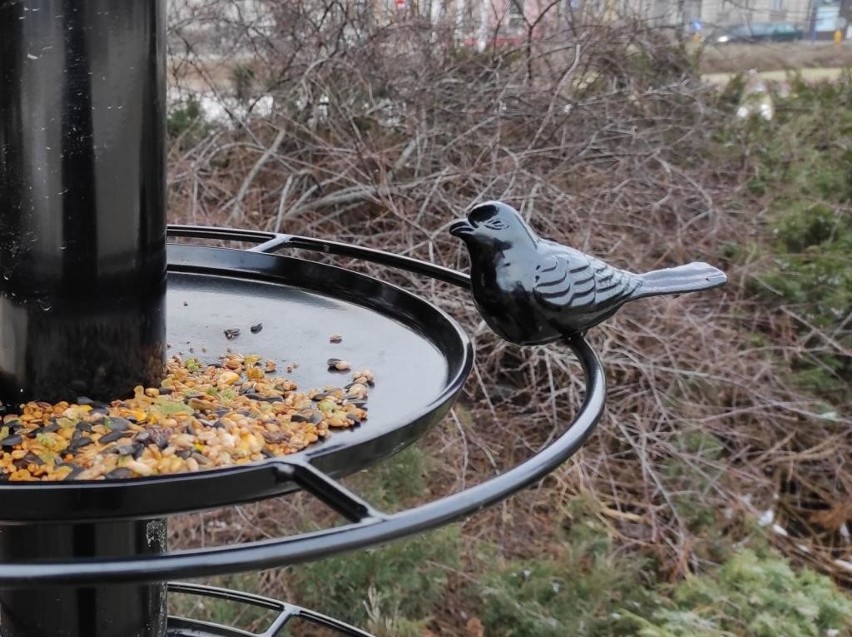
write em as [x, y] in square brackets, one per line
[201, 403]
[237, 437]
[139, 467]
[228, 378]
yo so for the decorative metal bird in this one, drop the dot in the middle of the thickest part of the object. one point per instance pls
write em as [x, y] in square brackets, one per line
[531, 291]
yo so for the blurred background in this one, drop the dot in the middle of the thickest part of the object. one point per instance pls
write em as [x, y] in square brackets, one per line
[715, 498]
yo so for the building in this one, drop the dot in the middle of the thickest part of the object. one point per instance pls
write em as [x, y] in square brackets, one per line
[496, 20]
[732, 12]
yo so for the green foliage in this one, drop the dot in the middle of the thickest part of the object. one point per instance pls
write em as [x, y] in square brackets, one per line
[817, 279]
[575, 593]
[687, 474]
[586, 588]
[184, 117]
[801, 164]
[385, 619]
[729, 96]
[186, 124]
[816, 225]
[395, 586]
[392, 589]
[396, 482]
[242, 79]
[751, 595]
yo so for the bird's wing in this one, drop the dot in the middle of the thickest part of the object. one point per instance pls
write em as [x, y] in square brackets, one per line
[565, 277]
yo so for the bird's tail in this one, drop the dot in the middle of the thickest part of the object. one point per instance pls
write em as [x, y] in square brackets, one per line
[691, 277]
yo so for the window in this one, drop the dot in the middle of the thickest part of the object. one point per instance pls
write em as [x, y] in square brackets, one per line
[516, 8]
[776, 5]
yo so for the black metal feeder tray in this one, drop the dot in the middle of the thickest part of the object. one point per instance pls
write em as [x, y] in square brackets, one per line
[418, 354]
[420, 358]
[87, 282]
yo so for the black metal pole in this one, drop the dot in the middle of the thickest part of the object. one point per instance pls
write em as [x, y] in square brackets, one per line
[82, 266]
[114, 610]
[82, 203]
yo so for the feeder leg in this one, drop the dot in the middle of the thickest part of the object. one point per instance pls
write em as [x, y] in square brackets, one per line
[117, 610]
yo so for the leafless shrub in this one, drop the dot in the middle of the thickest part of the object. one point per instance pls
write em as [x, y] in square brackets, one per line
[380, 132]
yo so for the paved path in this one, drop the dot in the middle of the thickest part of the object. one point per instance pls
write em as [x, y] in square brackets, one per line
[809, 75]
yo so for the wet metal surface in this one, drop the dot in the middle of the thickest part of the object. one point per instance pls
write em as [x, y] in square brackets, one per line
[419, 357]
[82, 218]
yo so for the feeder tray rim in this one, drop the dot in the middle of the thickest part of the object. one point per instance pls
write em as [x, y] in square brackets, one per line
[224, 268]
[373, 528]
[368, 526]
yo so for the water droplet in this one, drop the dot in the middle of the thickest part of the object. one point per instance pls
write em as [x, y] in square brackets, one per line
[45, 305]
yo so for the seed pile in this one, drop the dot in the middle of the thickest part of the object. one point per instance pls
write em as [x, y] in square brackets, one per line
[201, 417]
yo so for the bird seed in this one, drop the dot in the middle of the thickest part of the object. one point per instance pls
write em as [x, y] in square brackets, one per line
[200, 417]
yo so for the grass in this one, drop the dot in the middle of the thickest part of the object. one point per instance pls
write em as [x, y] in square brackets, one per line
[722, 407]
[576, 589]
[581, 585]
[801, 171]
[756, 594]
[784, 56]
[390, 590]
[806, 75]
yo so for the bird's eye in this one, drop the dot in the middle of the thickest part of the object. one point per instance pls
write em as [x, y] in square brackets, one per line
[496, 224]
[481, 215]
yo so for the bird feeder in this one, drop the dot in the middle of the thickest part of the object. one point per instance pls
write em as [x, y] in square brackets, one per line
[90, 297]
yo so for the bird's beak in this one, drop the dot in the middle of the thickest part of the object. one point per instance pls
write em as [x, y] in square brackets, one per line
[461, 228]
